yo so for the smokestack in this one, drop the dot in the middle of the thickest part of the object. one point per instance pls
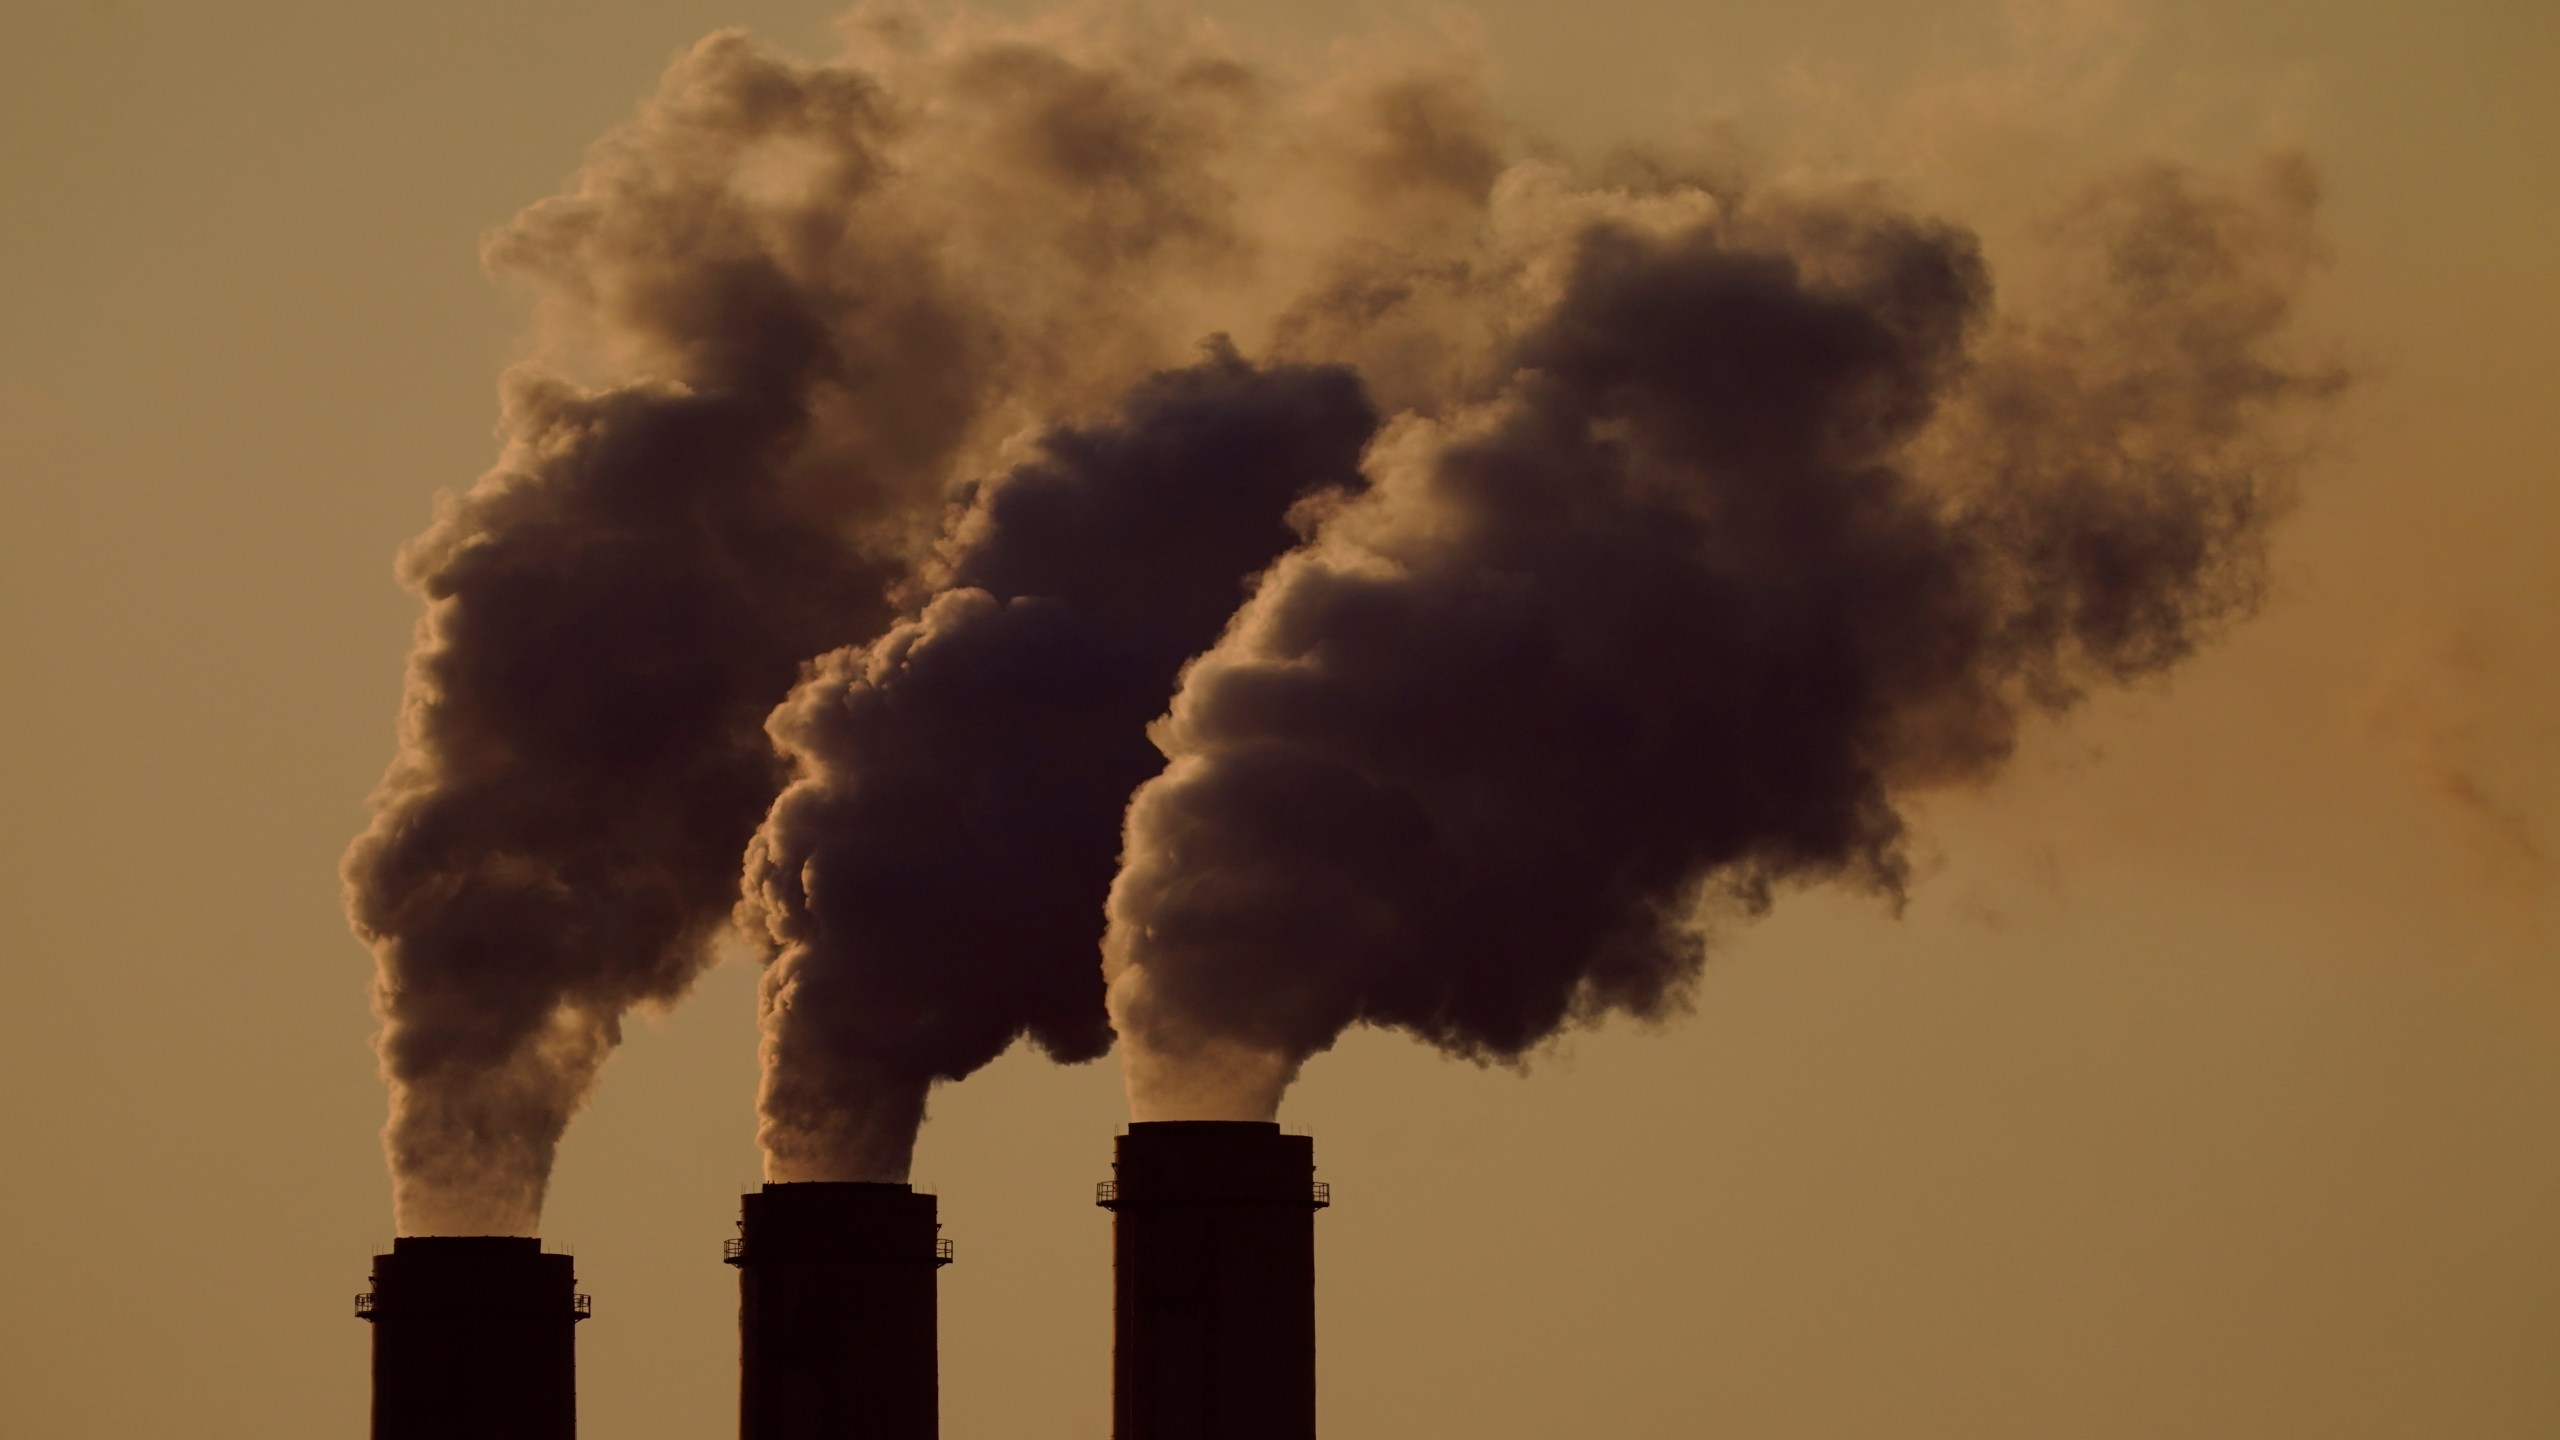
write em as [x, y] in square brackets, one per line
[473, 1335]
[836, 1314]
[1214, 1281]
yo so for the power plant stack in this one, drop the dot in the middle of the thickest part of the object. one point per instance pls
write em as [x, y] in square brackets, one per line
[1214, 1281]
[473, 1335]
[1213, 1326]
[836, 1312]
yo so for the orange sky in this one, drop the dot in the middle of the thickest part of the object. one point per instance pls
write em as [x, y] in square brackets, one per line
[2207, 1088]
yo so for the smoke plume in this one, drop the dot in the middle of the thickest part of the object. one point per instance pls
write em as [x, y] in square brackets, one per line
[781, 309]
[1711, 518]
[1774, 522]
[611, 612]
[931, 881]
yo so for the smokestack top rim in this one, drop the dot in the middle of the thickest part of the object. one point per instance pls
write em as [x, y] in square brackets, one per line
[1269, 1127]
[843, 1187]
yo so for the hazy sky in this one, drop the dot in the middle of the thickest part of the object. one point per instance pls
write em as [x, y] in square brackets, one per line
[2207, 1088]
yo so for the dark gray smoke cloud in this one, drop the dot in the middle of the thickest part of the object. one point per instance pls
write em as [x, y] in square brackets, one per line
[1709, 526]
[782, 311]
[614, 608]
[584, 759]
[800, 357]
[1775, 522]
[931, 883]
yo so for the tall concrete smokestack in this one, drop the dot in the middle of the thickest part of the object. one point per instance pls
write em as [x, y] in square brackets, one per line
[836, 1312]
[473, 1335]
[1214, 1281]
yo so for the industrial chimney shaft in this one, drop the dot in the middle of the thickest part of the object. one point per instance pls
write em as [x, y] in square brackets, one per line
[473, 1335]
[1213, 1244]
[837, 1313]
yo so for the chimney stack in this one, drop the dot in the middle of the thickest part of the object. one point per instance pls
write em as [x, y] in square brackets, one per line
[836, 1312]
[1214, 1280]
[473, 1335]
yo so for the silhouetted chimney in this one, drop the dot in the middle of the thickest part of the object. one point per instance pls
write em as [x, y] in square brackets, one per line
[836, 1313]
[1214, 1280]
[473, 1335]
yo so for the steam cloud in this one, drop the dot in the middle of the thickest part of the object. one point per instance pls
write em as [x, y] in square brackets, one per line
[798, 356]
[1772, 524]
[867, 497]
[931, 879]
[611, 612]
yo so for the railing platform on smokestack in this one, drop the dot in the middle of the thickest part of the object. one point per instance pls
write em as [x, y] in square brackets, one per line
[582, 1306]
[1107, 1195]
[733, 1251]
